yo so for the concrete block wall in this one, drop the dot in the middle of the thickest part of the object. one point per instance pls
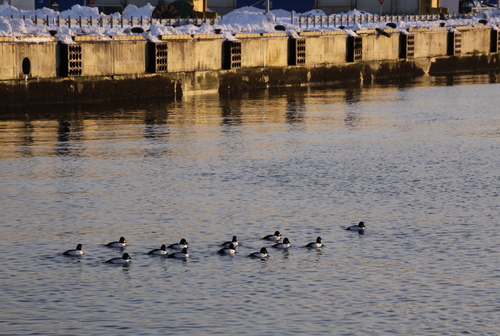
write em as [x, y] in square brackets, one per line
[37, 60]
[475, 40]
[194, 54]
[325, 49]
[108, 58]
[20, 60]
[380, 47]
[275, 51]
[97, 58]
[263, 51]
[430, 43]
[253, 51]
[8, 61]
[129, 57]
[190, 53]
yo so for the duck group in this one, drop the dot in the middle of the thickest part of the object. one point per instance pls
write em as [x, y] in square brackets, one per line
[227, 248]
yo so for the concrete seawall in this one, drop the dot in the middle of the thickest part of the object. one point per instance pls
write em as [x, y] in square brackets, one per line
[44, 71]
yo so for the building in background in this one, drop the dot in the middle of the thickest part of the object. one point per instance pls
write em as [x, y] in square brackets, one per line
[21, 4]
[299, 6]
[105, 6]
[342, 6]
[225, 6]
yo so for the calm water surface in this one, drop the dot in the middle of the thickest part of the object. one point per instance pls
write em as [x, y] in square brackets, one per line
[419, 165]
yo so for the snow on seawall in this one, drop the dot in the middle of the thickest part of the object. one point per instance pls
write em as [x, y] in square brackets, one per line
[241, 20]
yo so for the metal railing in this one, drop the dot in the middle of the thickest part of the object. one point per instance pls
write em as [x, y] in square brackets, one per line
[349, 20]
[109, 21]
[306, 21]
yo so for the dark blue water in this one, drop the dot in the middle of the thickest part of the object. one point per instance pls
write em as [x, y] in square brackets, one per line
[419, 165]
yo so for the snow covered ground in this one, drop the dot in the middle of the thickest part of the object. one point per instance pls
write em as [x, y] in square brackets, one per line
[242, 20]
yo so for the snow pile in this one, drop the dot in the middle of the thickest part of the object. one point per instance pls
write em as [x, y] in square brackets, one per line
[20, 27]
[5, 27]
[314, 12]
[80, 11]
[279, 13]
[247, 20]
[132, 11]
[241, 20]
[357, 13]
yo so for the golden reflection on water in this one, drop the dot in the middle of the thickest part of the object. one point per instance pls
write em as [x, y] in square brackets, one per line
[42, 132]
[193, 117]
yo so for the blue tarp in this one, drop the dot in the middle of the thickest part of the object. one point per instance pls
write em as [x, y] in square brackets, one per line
[299, 6]
[63, 4]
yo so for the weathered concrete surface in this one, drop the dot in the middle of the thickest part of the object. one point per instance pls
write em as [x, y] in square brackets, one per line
[198, 53]
[465, 64]
[39, 60]
[328, 49]
[87, 89]
[378, 47]
[194, 55]
[263, 52]
[8, 63]
[475, 40]
[171, 85]
[42, 59]
[346, 73]
[199, 81]
[430, 43]
[276, 54]
[108, 58]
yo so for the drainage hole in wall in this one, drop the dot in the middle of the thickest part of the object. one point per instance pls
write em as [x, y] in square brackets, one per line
[26, 66]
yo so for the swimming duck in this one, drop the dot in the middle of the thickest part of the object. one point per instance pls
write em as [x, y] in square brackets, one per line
[179, 255]
[234, 241]
[228, 250]
[284, 245]
[262, 254]
[125, 259]
[121, 243]
[276, 236]
[161, 250]
[77, 252]
[360, 227]
[182, 244]
[316, 244]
